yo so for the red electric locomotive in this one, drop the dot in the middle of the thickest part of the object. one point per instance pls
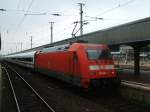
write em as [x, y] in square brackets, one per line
[80, 64]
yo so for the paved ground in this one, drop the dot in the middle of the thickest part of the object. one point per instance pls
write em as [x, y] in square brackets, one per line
[128, 74]
[127, 71]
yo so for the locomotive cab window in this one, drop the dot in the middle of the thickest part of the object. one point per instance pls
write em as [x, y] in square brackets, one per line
[98, 54]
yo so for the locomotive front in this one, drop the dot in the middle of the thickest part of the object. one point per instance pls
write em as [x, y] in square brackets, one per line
[97, 66]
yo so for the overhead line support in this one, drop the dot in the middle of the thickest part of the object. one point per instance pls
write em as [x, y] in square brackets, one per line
[81, 18]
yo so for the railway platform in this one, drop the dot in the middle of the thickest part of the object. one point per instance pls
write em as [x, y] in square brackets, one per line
[135, 87]
[128, 74]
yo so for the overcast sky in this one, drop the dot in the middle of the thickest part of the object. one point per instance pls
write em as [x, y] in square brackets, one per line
[16, 28]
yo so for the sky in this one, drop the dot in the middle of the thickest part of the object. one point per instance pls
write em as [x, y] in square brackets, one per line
[25, 18]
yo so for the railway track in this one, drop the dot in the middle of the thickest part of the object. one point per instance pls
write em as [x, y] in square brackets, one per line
[69, 99]
[26, 97]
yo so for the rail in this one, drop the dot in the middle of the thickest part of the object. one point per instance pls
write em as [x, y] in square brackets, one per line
[28, 85]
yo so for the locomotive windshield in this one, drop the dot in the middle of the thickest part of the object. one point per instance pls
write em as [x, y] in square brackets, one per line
[98, 54]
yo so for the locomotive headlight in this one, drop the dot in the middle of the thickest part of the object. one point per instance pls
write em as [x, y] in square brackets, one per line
[107, 67]
[98, 67]
[113, 72]
[94, 67]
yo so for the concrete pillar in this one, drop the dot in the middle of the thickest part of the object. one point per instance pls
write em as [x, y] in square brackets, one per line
[137, 60]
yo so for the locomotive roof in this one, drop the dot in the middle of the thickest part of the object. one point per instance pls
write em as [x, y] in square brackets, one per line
[57, 48]
[22, 55]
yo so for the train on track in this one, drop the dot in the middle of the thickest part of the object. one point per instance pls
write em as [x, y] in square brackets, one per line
[81, 64]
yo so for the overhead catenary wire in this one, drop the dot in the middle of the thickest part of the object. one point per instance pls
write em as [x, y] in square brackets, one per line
[110, 10]
[107, 11]
[20, 11]
[108, 19]
[85, 6]
[18, 5]
[85, 2]
[22, 20]
[116, 7]
[63, 31]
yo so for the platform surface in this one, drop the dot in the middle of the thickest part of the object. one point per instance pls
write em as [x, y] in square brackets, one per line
[128, 74]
